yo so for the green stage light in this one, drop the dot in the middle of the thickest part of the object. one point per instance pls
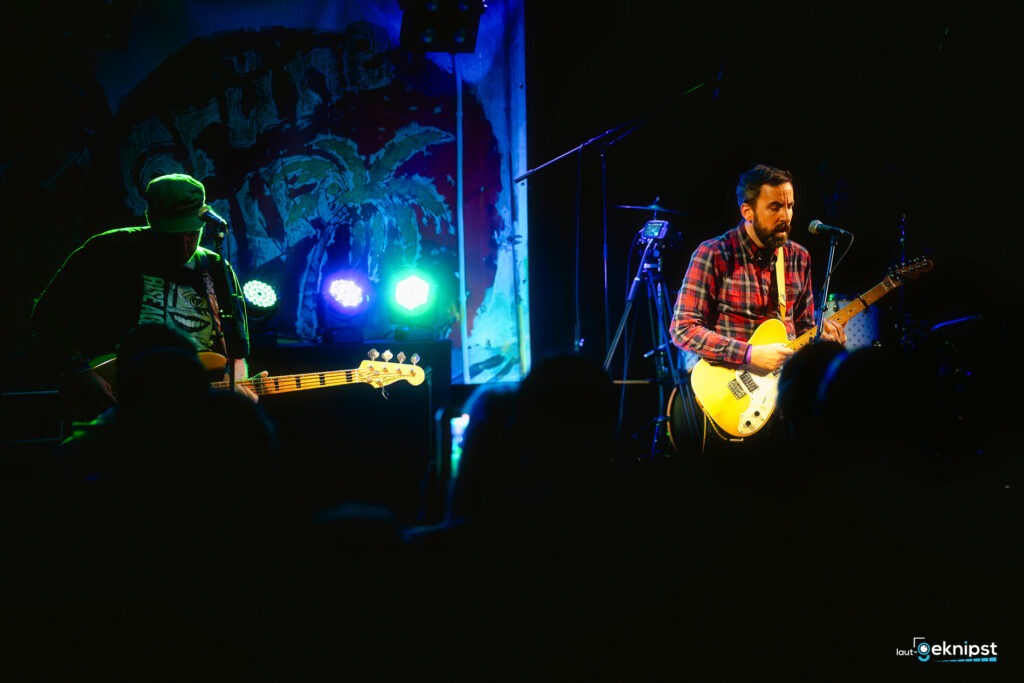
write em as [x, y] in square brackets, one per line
[259, 293]
[412, 293]
[413, 304]
[260, 299]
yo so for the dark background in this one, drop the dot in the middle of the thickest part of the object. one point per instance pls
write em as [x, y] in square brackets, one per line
[896, 119]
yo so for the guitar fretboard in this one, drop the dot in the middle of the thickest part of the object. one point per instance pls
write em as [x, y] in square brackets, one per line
[285, 383]
[855, 307]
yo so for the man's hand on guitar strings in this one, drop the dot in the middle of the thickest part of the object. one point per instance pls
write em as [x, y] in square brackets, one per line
[833, 331]
[241, 367]
[245, 390]
[769, 357]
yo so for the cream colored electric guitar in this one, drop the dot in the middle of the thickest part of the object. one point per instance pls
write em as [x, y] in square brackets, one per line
[739, 400]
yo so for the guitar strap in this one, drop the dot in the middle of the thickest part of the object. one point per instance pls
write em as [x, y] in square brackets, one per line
[211, 299]
[780, 282]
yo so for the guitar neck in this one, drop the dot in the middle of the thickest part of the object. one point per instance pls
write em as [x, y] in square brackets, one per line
[843, 315]
[262, 386]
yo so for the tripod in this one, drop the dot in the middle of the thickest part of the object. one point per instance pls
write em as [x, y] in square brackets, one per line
[649, 276]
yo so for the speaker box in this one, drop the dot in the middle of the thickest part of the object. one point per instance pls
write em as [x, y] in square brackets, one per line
[862, 331]
[357, 443]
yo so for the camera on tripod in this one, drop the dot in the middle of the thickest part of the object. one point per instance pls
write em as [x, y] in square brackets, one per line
[654, 230]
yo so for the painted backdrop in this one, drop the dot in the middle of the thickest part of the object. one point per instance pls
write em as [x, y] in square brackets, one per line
[326, 143]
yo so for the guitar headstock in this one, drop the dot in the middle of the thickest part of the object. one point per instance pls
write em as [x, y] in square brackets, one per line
[382, 373]
[909, 270]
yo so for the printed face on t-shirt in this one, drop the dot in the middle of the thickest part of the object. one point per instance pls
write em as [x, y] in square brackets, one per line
[177, 305]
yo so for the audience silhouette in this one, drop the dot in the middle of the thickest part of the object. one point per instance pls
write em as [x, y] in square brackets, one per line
[160, 519]
[555, 558]
[798, 404]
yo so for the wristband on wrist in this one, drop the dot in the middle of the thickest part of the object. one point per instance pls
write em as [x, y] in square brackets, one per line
[750, 351]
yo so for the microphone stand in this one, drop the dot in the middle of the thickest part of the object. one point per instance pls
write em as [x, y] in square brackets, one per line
[620, 131]
[228, 320]
[630, 126]
[832, 239]
[604, 227]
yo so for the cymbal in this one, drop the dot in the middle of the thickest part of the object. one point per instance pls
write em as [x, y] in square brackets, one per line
[652, 207]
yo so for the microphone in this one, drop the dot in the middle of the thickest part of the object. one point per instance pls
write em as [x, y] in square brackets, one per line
[819, 228]
[210, 216]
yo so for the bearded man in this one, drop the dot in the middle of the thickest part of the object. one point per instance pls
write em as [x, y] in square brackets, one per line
[745, 276]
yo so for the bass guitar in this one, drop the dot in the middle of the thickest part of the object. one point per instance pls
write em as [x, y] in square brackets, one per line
[738, 399]
[376, 373]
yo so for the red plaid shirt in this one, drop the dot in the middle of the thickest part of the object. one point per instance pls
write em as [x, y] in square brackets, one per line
[729, 289]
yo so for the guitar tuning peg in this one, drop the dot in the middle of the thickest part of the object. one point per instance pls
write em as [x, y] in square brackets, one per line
[415, 358]
[401, 356]
[372, 353]
[387, 355]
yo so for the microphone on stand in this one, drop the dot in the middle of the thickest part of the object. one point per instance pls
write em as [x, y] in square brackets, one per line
[818, 228]
[210, 216]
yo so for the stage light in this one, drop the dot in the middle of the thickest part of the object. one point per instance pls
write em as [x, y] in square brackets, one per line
[260, 300]
[412, 293]
[346, 293]
[346, 296]
[260, 306]
[419, 302]
[440, 25]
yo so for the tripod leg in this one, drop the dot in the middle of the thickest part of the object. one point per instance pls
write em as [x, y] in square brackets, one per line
[665, 358]
[640, 275]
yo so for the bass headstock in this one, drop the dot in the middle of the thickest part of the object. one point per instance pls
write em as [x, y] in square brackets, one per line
[380, 373]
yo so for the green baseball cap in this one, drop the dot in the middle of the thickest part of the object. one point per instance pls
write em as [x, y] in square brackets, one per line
[175, 201]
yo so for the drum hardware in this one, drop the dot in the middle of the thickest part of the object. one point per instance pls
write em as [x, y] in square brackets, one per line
[654, 208]
[649, 278]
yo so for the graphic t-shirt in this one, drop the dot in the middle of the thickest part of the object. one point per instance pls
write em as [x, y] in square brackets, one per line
[181, 303]
[116, 280]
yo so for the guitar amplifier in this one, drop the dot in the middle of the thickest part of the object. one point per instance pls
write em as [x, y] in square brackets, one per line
[862, 330]
[355, 442]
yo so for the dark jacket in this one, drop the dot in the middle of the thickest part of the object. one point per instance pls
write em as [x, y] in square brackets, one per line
[96, 297]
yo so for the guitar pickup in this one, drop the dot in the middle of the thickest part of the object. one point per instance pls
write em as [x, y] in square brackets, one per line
[736, 389]
[748, 380]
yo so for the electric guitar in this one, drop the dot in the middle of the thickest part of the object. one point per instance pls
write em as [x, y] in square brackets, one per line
[739, 400]
[373, 372]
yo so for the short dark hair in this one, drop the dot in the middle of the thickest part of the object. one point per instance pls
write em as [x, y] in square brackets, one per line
[752, 180]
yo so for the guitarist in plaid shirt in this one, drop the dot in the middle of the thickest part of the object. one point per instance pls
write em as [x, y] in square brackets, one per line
[730, 285]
